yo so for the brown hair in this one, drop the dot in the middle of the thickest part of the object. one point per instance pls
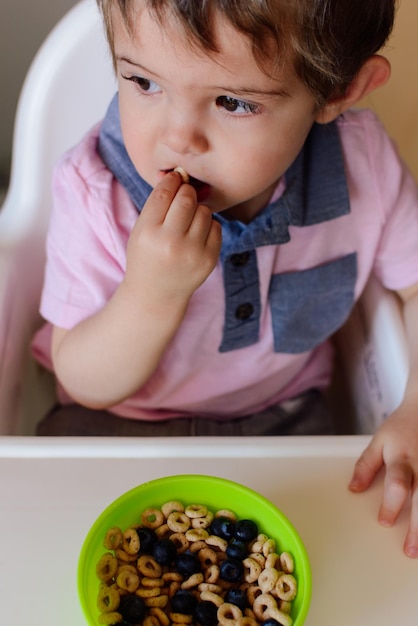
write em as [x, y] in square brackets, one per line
[329, 40]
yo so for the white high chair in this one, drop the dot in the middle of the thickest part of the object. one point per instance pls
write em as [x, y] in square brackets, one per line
[67, 90]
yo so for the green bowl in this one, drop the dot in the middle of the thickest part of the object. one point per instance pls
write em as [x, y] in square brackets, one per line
[215, 493]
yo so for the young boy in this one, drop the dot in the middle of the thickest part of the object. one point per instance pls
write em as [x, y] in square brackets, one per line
[210, 312]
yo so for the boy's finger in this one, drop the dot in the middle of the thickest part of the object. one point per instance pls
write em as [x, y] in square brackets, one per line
[366, 468]
[411, 541]
[161, 197]
[396, 489]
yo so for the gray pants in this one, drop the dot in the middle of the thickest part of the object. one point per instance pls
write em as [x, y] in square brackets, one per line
[304, 415]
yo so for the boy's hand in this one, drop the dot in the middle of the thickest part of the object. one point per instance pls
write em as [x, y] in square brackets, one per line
[174, 245]
[394, 445]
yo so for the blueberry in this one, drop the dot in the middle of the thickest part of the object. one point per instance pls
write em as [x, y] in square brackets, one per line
[223, 527]
[147, 539]
[237, 549]
[270, 622]
[237, 597]
[164, 551]
[231, 570]
[246, 530]
[132, 609]
[206, 613]
[188, 564]
[183, 601]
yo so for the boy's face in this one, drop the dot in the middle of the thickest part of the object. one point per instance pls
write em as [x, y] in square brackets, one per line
[220, 117]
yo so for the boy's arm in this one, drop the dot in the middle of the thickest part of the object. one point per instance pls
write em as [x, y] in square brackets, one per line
[172, 249]
[395, 444]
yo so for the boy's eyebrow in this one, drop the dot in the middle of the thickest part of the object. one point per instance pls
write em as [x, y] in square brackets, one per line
[238, 91]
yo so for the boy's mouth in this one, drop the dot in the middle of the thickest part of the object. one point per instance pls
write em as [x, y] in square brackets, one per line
[202, 188]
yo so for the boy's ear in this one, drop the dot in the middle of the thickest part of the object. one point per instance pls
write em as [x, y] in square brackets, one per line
[374, 73]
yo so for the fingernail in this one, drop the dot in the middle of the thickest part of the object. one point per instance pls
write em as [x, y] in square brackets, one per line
[412, 551]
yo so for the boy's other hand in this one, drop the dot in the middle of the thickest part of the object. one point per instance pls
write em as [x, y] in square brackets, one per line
[395, 446]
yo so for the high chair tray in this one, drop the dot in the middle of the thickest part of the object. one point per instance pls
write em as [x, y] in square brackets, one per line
[52, 490]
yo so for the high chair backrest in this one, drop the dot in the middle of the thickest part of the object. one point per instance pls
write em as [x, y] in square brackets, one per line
[67, 89]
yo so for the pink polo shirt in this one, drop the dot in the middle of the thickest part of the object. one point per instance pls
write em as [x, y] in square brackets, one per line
[86, 259]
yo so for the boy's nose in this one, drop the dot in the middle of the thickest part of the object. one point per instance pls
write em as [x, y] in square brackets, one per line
[184, 135]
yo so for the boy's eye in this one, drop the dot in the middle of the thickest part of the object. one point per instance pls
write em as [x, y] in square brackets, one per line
[232, 105]
[144, 83]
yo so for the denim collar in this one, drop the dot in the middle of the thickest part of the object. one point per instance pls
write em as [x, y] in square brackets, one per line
[316, 187]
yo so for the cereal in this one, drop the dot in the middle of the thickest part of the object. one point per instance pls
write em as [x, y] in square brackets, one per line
[188, 557]
[184, 175]
[107, 567]
[286, 587]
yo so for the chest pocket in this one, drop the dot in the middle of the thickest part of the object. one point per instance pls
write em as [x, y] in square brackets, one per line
[308, 306]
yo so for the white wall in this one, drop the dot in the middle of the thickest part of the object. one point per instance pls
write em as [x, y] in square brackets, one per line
[23, 26]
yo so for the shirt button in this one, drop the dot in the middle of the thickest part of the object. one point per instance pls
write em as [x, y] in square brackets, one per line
[241, 259]
[244, 311]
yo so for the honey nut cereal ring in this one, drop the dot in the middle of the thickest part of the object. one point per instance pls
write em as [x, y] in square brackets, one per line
[171, 507]
[128, 581]
[172, 577]
[148, 592]
[212, 574]
[110, 618]
[148, 566]
[151, 620]
[260, 558]
[108, 600]
[273, 560]
[268, 579]
[162, 531]
[268, 547]
[228, 614]
[287, 563]
[252, 570]
[181, 618]
[124, 556]
[152, 518]
[197, 545]
[180, 541]
[218, 542]
[249, 612]
[283, 618]
[152, 582]
[253, 592]
[126, 567]
[286, 587]
[247, 621]
[207, 557]
[184, 175]
[285, 606]
[130, 542]
[196, 534]
[193, 581]
[107, 567]
[226, 513]
[210, 587]
[113, 538]
[263, 604]
[202, 522]
[212, 597]
[160, 615]
[178, 522]
[257, 544]
[196, 510]
[173, 588]
[158, 601]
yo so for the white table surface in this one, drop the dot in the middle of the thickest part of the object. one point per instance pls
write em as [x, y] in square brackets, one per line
[51, 491]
